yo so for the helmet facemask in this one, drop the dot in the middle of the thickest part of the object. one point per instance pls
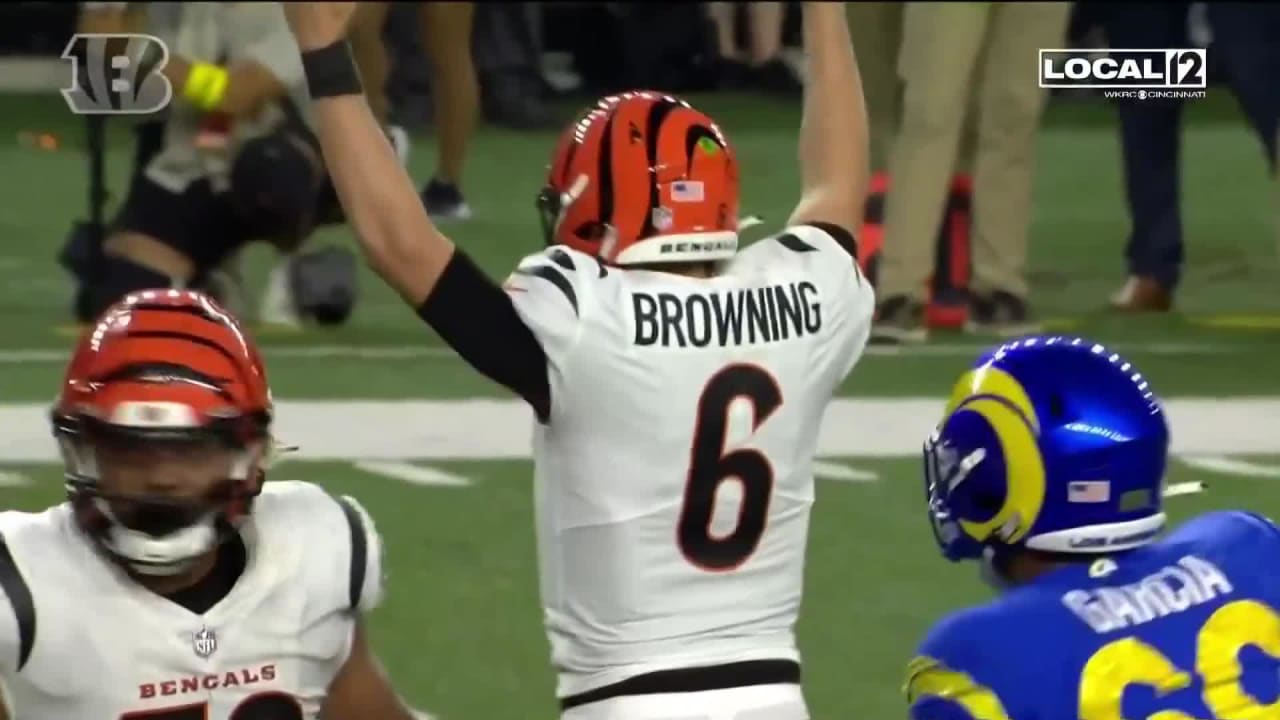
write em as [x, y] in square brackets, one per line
[944, 471]
[553, 203]
[208, 477]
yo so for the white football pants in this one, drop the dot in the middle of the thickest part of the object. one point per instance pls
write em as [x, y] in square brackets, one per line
[758, 702]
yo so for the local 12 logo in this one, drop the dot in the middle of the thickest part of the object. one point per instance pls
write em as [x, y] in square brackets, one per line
[1178, 68]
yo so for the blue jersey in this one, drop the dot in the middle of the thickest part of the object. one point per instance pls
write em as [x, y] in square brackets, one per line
[1185, 628]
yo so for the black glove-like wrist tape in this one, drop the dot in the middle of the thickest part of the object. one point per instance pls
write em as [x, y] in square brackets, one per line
[331, 71]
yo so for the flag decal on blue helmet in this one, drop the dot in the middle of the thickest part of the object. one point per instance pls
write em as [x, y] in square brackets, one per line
[1089, 491]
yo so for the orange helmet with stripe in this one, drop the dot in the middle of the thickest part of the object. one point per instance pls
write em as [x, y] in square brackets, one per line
[163, 420]
[641, 178]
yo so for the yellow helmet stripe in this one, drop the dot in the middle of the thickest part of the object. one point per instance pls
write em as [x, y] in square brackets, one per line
[988, 380]
[1024, 470]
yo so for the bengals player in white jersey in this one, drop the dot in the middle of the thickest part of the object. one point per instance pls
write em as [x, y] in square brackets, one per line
[174, 584]
[677, 381]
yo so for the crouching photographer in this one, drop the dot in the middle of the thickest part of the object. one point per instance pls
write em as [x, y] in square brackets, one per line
[235, 162]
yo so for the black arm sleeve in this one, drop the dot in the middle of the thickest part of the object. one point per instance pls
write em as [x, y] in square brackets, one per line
[478, 320]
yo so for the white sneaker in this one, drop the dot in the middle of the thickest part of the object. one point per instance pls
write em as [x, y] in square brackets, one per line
[225, 286]
[557, 72]
[1125, 294]
[277, 307]
[400, 142]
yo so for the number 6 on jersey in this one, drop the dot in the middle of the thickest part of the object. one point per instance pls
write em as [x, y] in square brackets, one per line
[710, 467]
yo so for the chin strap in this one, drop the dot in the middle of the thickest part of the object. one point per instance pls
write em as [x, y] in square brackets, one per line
[990, 571]
[158, 556]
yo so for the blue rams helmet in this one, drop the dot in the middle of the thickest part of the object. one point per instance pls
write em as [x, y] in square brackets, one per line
[1055, 444]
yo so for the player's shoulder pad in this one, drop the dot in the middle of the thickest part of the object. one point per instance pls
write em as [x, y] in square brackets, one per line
[818, 237]
[19, 527]
[817, 250]
[1228, 527]
[558, 269]
[940, 680]
[342, 527]
[365, 582]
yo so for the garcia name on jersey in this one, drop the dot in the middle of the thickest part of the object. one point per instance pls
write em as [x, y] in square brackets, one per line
[1187, 627]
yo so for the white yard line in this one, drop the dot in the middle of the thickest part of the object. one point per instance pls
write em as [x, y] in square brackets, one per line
[479, 429]
[58, 356]
[842, 472]
[1231, 466]
[412, 474]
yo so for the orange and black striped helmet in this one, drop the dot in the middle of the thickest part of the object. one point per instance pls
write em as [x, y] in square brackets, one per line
[643, 177]
[163, 368]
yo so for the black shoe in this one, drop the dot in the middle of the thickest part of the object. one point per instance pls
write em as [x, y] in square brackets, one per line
[732, 75]
[515, 102]
[1000, 313]
[899, 319]
[776, 77]
[444, 201]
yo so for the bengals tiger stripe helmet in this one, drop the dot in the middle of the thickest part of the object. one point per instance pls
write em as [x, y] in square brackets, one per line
[163, 368]
[643, 177]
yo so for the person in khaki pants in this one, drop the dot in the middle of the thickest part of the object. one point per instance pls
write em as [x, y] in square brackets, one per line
[876, 29]
[948, 52]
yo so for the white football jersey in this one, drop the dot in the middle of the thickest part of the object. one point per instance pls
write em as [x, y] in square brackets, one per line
[79, 640]
[674, 475]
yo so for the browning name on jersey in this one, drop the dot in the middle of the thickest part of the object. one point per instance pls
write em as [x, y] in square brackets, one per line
[80, 640]
[728, 317]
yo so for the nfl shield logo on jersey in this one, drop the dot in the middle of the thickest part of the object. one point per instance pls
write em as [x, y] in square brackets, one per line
[204, 642]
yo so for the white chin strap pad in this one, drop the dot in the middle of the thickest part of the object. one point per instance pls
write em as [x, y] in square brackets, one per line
[159, 556]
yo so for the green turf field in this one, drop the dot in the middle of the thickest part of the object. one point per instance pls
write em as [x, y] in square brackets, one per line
[448, 481]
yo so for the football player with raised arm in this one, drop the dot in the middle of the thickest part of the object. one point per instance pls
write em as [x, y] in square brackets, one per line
[174, 584]
[1048, 469]
[677, 381]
